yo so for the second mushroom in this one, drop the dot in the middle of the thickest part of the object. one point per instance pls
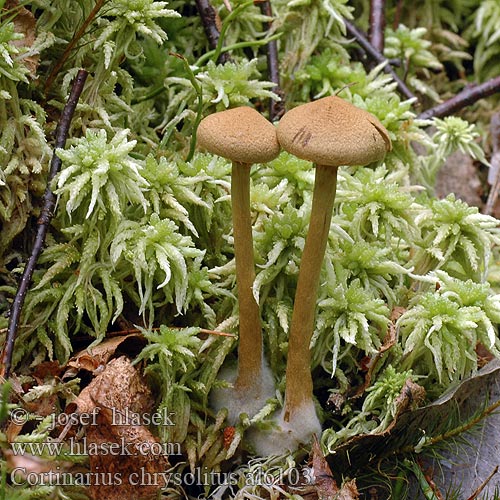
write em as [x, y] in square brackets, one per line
[329, 132]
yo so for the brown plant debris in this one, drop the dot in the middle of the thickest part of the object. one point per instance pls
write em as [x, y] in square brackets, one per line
[96, 358]
[410, 424]
[390, 340]
[27, 464]
[126, 460]
[24, 23]
[481, 487]
[324, 486]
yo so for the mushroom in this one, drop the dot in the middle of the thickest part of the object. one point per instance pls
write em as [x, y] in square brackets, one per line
[329, 132]
[245, 137]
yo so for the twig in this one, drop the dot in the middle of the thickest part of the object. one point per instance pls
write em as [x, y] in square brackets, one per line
[202, 330]
[377, 24]
[378, 57]
[210, 20]
[397, 15]
[49, 202]
[53, 74]
[217, 333]
[276, 109]
[481, 487]
[465, 98]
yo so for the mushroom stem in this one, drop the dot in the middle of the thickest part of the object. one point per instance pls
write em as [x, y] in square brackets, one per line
[299, 386]
[250, 332]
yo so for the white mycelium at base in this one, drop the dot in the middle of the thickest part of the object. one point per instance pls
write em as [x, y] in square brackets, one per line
[286, 436]
[249, 401]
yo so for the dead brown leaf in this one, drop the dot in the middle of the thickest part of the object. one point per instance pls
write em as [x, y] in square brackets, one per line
[43, 406]
[483, 355]
[118, 386]
[46, 369]
[118, 445]
[389, 341]
[26, 464]
[325, 486]
[412, 396]
[411, 424]
[13, 430]
[349, 491]
[95, 358]
[24, 23]
[324, 483]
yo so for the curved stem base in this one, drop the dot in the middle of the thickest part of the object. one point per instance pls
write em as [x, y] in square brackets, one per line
[238, 399]
[287, 435]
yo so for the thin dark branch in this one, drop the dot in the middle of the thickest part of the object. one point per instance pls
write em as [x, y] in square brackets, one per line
[465, 98]
[276, 109]
[397, 14]
[211, 24]
[53, 74]
[481, 487]
[377, 24]
[378, 57]
[49, 202]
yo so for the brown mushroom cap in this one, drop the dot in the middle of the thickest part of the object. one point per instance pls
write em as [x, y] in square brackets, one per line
[333, 132]
[241, 135]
